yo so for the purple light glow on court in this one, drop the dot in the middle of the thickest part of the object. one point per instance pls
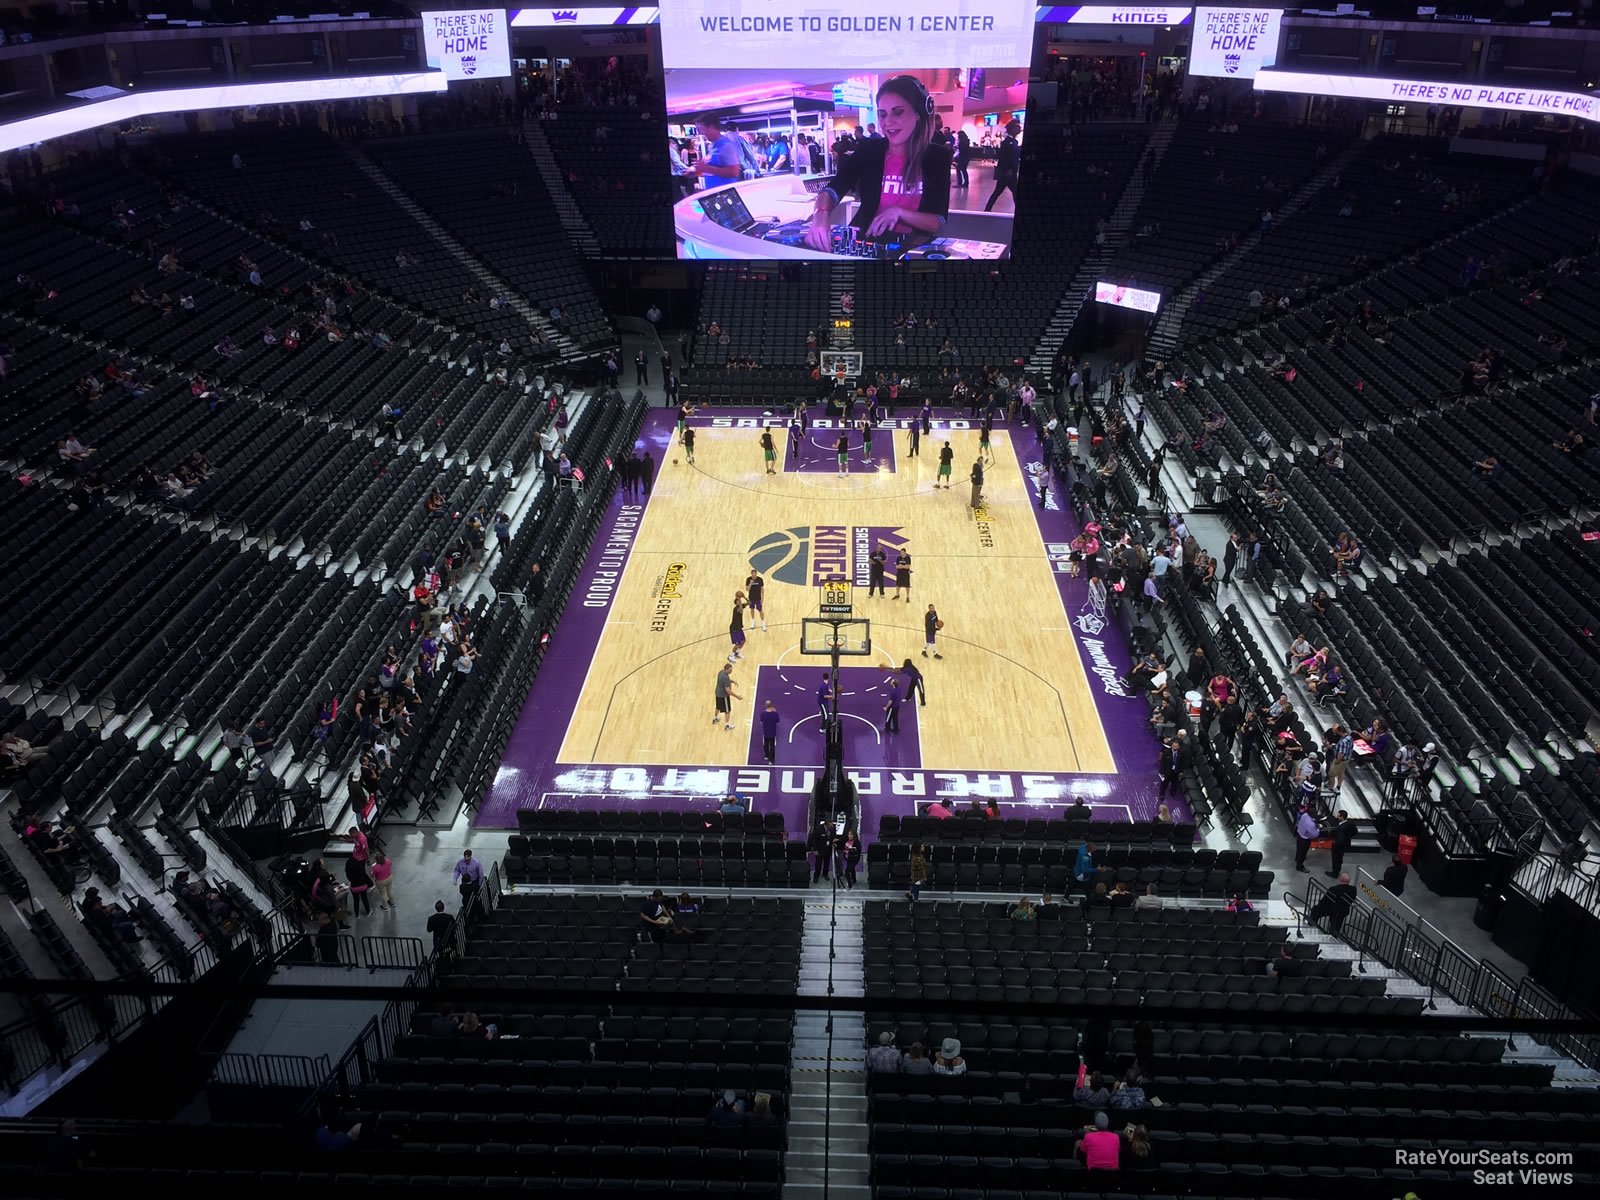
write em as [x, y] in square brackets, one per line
[863, 692]
[819, 454]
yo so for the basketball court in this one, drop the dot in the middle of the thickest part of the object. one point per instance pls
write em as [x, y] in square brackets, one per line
[1024, 706]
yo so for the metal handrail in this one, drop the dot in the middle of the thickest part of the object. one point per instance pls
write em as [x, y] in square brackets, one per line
[378, 953]
[1485, 989]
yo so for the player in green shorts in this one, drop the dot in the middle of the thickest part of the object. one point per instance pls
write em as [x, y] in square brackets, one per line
[946, 456]
[769, 451]
[843, 447]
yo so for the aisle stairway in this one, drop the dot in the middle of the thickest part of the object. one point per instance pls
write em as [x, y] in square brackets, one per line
[1164, 338]
[570, 353]
[828, 1100]
[572, 218]
[1081, 289]
[841, 282]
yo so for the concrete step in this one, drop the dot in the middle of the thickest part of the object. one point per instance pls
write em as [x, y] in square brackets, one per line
[835, 1191]
[837, 1156]
[815, 1175]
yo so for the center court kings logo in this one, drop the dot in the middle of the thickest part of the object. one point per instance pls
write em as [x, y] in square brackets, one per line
[783, 555]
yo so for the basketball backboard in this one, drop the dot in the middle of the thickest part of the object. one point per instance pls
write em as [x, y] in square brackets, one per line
[831, 362]
[843, 637]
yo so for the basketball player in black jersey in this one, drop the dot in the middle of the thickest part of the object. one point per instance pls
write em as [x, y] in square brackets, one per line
[755, 589]
[736, 627]
[875, 586]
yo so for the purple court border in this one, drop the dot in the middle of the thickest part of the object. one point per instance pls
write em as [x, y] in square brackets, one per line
[530, 776]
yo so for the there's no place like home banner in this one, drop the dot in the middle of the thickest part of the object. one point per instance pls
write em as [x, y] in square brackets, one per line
[878, 34]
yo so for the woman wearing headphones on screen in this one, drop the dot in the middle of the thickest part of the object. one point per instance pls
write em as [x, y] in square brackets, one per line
[902, 179]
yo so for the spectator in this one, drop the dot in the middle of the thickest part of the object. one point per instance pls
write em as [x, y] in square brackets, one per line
[949, 1060]
[1335, 905]
[355, 873]
[1083, 867]
[1394, 877]
[1024, 911]
[916, 1061]
[64, 1150]
[327, 1139]
[444, 1024]
[1149, 900]
[727, 1113]
[327, 714]
[468, 874]
[1238, 903]
[47, 840]
[383, 880]
[1299, 651]
[1090, 1091]
[108, 918]
[1343, 834]
[1306, 830]
[472, 1027]
[439, 924]
[1130, 1094]
[1100, 1148]
[761, 1115]
[17, 752]
[1121, 896]
[1141, 1154]
[849, 857]
[884, 1056]
[655, 916]
[821, 847]
[1286, 966]
[919, 871]
[327, 939]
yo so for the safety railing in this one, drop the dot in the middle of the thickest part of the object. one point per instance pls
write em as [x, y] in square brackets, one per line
[307, 949]
[378, 953]
[340, 1082]
[58, 1031]
[1433, 960]
[1541, 877]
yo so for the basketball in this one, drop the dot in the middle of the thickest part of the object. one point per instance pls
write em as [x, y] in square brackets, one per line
[938, 624]
[674, 462]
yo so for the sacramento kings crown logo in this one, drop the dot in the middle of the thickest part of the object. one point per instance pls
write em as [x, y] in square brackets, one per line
[469, 64]
[1230, 63]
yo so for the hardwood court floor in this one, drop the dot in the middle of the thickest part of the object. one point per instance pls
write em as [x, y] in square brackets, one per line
[1010, 694]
